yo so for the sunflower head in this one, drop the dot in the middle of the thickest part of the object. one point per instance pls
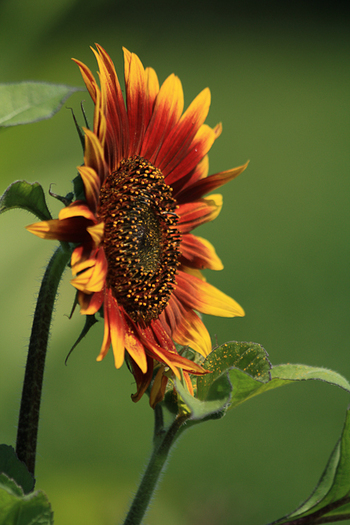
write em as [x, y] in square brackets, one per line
[135, 260]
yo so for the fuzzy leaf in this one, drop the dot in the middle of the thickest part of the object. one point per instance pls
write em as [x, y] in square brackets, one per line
[19, 509]
[28, 196]
[26, 102]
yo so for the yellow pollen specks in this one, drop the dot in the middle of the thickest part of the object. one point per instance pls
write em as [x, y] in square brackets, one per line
[141, 240]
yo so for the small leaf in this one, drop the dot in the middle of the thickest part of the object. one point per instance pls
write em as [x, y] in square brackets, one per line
[331, 498]
[28, 196]
[250, 358]
[15, 469]
[19, 509]
[25, 102]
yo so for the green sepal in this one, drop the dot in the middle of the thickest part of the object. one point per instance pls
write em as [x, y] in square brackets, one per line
[79, 189]
[330, 500]
[15, 469]
[28, 196]
[18, 508]
[214, 406]
[90, 320]
[26, 102]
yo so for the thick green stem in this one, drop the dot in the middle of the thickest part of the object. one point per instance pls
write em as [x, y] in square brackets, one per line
[152, 474]
[31, 394]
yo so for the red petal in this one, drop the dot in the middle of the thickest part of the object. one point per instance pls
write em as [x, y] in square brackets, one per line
[204, 186]
[194, 214]
[168, 107]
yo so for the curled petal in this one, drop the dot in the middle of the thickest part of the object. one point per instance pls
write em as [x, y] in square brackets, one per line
[96, 231]
[90, 303]
[199, 253]
[204, 186]
[90, 273]
[202, 296]
[158, 387]
[114, 332]
[199, 212]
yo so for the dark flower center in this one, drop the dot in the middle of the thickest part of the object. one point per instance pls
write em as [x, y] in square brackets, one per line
[141, 241]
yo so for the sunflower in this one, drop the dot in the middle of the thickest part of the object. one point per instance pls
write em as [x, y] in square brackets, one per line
[135, 261]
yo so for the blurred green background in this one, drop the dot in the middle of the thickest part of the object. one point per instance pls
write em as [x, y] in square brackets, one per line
[279, 76]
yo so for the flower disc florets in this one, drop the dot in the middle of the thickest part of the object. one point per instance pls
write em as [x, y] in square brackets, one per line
[141, 241]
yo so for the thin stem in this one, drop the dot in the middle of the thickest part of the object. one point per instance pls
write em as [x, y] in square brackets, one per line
[152, 474]
[33, 380]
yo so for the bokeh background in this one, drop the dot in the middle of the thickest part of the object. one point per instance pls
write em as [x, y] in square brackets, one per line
[279, 76]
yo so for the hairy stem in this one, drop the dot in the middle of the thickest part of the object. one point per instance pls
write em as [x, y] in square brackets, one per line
[33, 380]
[152, 474]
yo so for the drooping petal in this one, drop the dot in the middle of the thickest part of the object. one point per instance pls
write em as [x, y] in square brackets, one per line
[204, 186]
[197, 252]
[90, 303]
[142, 380]
[158, 387]
[189, 329]
[199, 212]
[67, 230]
[114, 332]
[135, 348]
[202, 296]
[167, 110]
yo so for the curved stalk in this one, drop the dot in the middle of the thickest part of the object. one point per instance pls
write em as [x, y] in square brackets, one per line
[33, 380]
[153, 471]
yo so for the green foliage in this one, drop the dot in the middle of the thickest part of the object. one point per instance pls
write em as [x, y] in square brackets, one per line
[330, 501]
[26, 195]
[15, 469]
[20, 506]
[26, 102]
[20, 509]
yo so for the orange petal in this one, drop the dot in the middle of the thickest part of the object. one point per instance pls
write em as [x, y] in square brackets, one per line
[135, 99]
[117, 138]
[90, 303]
[178, 141]
[192, 332]
[91, 273]
[167, 110]
[202, 296]
[77, 209]
[96, 231]
[93, 155]
[152, 90]
[199, 212]
[135, 349]
[199, 253]
[68, 230]
[114, 331]
[88, 78]
[158, 387]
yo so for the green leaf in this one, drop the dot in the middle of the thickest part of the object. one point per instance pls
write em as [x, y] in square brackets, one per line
[331, 497]
[250, 358]
[28, 196]
[19, 509]
[251, 373]
[15, 469]
[25, 102]
[214, 406]
[246, 387]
